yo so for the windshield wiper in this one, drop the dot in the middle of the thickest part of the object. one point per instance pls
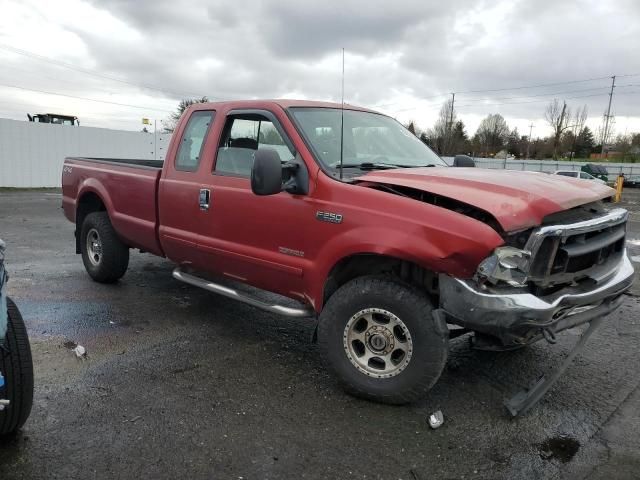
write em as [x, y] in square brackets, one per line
[380, 166]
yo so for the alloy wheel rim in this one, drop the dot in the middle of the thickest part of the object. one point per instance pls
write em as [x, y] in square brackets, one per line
[377, 343]
[94, 247]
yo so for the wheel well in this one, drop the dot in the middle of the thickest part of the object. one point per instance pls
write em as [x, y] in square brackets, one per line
[89, 203]
[373, 264]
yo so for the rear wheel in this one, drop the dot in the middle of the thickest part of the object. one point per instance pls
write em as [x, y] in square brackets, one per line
[17, 369]
[104, 255]
[379, 337]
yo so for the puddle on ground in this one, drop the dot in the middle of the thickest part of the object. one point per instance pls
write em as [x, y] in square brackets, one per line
[561, 447]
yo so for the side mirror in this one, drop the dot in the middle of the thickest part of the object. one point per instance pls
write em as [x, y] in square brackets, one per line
[266, 173]
[463, 161]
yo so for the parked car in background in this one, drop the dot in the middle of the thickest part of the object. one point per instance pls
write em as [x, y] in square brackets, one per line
[632, 181]
[598, 171]
[581, 175]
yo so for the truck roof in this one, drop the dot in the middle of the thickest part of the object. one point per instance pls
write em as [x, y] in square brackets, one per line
[284, 103]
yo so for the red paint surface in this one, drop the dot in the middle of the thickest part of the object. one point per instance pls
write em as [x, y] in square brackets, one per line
[241, 235]
[516, 199]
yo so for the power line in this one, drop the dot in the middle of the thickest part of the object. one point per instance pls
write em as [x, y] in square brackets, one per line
[542, 94]
[534, 86]
[62, 64]
[377, 105]
[538, 101]
[479, 104]
[84, 98]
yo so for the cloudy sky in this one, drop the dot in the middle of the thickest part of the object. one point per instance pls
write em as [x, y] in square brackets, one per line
[112, 62]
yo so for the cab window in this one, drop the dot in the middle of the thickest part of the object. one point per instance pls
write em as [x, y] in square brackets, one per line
[243, 134]
[192, 141]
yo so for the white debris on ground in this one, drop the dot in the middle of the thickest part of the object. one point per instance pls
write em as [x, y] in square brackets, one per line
[80, 352]
[635, 258]
[436, 419]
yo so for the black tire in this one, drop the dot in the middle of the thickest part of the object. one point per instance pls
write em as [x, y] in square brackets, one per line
[17, 368]
[429, 339]
[112, 263]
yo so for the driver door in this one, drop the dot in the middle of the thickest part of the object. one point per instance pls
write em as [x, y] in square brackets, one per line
[255, 239]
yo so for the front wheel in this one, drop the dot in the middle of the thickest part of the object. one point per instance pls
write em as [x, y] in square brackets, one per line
[378, 335]
[17, 369]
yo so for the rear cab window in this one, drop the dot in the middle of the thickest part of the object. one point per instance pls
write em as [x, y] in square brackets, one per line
[193, 139]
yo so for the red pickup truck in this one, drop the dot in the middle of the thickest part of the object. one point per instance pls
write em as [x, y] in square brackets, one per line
[350, 215]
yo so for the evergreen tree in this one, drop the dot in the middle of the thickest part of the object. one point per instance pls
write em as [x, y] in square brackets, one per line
[585, 143]
[170, 123]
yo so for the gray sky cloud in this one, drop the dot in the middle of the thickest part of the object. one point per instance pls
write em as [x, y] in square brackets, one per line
[403, 57]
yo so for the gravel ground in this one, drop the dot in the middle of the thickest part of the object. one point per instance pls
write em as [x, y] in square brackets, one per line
[183, 383]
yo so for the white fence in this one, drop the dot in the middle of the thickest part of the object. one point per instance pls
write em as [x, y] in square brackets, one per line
[31, 154]
[551, 166]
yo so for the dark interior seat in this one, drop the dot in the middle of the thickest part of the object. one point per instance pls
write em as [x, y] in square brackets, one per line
[249, 143]
[238, 156]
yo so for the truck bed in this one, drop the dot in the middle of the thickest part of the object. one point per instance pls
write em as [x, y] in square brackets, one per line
[129, 190]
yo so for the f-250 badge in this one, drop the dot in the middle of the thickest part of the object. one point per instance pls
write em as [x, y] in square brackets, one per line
[329, 217]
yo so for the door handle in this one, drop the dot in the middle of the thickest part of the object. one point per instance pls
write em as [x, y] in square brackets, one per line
[204, 199]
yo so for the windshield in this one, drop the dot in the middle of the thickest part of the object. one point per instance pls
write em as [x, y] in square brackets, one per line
[370, 140]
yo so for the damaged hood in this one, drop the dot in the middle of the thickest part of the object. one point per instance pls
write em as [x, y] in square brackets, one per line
[516, 199]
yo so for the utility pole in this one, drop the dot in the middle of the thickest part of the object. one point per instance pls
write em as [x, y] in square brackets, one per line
[450, 129]
[529, 139]
[605, 133]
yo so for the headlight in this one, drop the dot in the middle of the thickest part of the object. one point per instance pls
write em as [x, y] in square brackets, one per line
[507, 264]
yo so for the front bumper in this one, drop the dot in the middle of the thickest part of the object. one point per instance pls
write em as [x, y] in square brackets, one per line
[521, 318]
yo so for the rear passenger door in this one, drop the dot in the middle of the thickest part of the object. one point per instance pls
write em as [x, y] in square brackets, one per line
[255, 239]
[180, 197]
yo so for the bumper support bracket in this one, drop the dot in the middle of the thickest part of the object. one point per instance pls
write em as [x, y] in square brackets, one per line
[525, 399]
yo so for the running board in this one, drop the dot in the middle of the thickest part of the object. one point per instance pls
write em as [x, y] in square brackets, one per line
[243, 297]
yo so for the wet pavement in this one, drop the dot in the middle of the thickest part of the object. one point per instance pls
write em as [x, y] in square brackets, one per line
[182, 383]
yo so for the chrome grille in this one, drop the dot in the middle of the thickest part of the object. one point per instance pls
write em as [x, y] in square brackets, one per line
[565, 253]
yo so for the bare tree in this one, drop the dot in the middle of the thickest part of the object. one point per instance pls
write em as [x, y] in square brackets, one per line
[580, 118]
[492, 133]
[578, 122]
[558, 118]
[441, 133]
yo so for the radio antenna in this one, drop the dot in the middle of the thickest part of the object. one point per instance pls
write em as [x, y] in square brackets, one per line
[342, 117]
